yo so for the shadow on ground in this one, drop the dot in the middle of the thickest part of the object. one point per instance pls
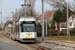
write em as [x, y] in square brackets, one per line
[36, 42]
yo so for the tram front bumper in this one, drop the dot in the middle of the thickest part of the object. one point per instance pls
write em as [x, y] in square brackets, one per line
[28, 40]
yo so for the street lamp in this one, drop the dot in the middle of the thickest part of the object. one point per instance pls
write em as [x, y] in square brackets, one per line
[1, 19]
[67, 19]
[46, 23]
[42, 20]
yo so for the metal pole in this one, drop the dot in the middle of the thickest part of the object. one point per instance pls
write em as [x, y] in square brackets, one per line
[1, 18]
[42, 20]
[17, 17]
[69, 32]
[13, 16]
[10, 31]
[24, 8]
[46, 23]
[1, 21]
[67, 19]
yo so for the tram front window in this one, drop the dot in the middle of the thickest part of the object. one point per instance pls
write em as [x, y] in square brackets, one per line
[28, 28]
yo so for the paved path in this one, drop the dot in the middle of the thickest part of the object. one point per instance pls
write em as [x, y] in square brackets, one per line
[54, 45]
[6, 46]
[57, 45]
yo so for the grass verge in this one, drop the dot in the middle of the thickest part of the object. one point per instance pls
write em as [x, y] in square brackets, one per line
[59, 38]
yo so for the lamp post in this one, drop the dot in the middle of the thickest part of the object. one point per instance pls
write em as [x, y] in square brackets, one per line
[1, 19]
[42, 20]
[46, 23]
[67, 19]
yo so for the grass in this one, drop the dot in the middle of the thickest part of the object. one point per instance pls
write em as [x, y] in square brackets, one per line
[59, 38]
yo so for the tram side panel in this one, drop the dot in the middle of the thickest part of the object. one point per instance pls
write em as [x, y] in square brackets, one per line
[25, 32]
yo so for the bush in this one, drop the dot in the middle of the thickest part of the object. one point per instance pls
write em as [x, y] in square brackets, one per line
[53, 25]
[52, 32]
[72, 33]
[39, 29]
[64, 32]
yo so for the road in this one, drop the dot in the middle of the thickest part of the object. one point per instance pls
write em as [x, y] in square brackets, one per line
[6, 46]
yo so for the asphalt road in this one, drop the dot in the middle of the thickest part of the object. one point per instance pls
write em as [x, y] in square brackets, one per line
[6, 46]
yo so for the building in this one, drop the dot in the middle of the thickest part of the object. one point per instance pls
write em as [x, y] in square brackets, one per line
[49, 17]
[71, 23]
[7, 26]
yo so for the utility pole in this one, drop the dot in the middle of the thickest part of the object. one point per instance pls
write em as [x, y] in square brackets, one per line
[24, 7]
[1, 20]
[46, 23]
[67, 19]
[42, 20]
[17, 17]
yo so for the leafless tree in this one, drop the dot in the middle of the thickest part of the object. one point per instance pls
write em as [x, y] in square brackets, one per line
[56, 4]
[31, 10]
[8, 18]
[20, 12]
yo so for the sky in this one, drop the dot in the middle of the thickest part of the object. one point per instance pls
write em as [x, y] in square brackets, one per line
[9, 6]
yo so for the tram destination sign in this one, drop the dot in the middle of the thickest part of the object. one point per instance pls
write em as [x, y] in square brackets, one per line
[28, 22]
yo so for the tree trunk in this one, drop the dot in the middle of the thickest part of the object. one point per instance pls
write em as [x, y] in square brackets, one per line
[58, 28]
[31, 13]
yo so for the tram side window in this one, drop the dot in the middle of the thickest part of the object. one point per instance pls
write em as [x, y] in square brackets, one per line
[21, 29]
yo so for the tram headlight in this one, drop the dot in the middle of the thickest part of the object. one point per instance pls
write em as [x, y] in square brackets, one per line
[31, 37]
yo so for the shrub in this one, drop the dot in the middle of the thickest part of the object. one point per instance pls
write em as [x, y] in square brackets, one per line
[39, 29]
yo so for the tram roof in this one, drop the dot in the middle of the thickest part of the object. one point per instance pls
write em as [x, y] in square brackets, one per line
[28, 18]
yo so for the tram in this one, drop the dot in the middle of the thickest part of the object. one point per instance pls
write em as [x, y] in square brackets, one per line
[24, 30]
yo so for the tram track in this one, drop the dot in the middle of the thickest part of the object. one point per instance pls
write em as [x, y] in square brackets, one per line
[2, 36]
[70, 42]
[16, 43]
[38, 47]
[35, 46]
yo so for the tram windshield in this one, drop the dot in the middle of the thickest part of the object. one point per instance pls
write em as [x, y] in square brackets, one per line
[28, 27]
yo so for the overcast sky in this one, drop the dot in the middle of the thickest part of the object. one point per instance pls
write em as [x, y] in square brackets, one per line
[9, 6]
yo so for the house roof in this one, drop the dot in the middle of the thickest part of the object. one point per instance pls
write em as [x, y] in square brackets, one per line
[49, 14]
